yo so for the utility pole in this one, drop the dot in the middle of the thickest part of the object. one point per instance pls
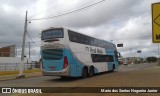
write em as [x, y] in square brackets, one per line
[30, 54]
[16, 52]
[29, 49]
[21, 74]
[130, 52]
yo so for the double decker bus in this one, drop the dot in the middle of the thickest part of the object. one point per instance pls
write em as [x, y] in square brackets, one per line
[67, 53]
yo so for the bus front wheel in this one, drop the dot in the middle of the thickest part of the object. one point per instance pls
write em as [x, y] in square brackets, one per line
[84, 72]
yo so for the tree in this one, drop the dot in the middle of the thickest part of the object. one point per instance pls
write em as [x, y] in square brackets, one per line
[151, 59]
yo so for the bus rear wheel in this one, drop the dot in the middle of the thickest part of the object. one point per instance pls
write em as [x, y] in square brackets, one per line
[84, 73]
[113, 67]
[91, 71]
[63, 77]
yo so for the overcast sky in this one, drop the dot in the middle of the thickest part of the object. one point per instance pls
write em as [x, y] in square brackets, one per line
[119, 21]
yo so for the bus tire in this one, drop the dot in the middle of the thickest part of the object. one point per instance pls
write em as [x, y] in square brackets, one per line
[113, 67]
[84, 72]
[63, 77]
[91, 71]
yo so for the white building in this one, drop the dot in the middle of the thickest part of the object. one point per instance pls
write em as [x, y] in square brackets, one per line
[133, 60]
[12, 63]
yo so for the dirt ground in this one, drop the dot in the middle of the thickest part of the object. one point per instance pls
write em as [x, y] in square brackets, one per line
[149, 77]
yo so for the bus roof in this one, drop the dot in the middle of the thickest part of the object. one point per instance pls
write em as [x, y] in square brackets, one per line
[77, 32]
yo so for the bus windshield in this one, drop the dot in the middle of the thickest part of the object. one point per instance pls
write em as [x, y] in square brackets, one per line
[52, 33]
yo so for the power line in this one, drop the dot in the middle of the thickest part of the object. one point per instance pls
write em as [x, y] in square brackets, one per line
[56, 12]
[70, 11]
[46, 10]
[32, 39]
[131, 38]
[19, 42]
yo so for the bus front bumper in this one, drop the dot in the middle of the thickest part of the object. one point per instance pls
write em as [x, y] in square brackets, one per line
[64, 72]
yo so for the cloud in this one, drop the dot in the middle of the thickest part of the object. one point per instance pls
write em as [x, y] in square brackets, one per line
[106, 11]
[123, 21]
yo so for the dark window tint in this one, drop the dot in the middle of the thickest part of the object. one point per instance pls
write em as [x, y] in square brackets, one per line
[52, 54]
[109, 58]
[83, 39]
[52, 33]
[79, 38]
[101, 58]
[116, 55]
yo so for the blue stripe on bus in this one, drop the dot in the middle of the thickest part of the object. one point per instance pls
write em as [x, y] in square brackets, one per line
[51, 65]
[110, 64]
[48, 64]
[75, 65]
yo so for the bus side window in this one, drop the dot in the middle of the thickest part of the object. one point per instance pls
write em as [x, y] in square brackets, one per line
[116, 55]
[79, 39]
[109, 58]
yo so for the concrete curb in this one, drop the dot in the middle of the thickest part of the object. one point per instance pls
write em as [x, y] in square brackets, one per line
[13, 77]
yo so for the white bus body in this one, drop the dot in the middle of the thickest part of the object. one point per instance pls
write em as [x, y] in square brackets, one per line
[67, 53]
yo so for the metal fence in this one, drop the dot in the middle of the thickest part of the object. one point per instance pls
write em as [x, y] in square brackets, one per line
[16, 66]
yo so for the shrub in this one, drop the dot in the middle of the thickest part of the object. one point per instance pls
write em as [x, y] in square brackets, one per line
[151, 59]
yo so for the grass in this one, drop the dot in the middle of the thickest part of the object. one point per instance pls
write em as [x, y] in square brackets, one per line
[2, 73]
